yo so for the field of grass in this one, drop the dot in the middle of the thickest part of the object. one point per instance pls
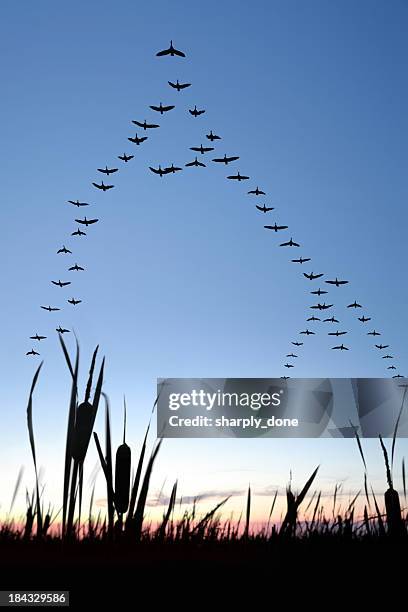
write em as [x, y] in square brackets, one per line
[67, 552]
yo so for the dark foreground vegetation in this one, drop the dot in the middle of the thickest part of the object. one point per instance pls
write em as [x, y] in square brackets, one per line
[115, 557]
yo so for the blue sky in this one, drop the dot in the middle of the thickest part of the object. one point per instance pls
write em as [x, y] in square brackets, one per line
[182, 279]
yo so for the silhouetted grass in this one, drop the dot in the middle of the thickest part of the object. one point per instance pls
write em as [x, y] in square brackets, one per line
[123, 539]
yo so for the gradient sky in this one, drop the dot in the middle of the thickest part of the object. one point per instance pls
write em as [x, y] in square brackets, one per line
[182, 279]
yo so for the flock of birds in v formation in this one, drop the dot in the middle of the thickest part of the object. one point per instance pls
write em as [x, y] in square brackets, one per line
[320, 307]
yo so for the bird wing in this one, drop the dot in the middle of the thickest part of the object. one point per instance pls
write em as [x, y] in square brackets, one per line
[168, 108]
[97, 186]
[218, 160]
[172, 84]
[91, 221]
[109, 186]
[162, 53]
[184, 85]
[178, 53]
[234, 158]
[156, 108]
[206, 149]
[195, 149]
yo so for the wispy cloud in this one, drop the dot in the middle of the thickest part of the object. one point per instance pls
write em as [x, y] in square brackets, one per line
[163, 499]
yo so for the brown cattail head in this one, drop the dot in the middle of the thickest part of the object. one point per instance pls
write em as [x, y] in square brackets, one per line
[84, 422]
[394, 520]
[122, 478]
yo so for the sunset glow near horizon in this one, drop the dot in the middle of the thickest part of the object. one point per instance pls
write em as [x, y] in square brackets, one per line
[181, 278]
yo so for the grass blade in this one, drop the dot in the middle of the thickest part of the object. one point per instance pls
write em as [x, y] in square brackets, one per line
[16, 487]
[109, 469]
[136, 481]
[141, 503]
[360, 448]
[305, 489]
[32, 444]
[248, 513]
[394, 437]
[70, 429]
[90, 377]
[387, 463]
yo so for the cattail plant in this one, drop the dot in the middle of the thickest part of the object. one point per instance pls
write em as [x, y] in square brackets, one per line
[392, 502]
[122, 473]
[81, 421]
[134, 506]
